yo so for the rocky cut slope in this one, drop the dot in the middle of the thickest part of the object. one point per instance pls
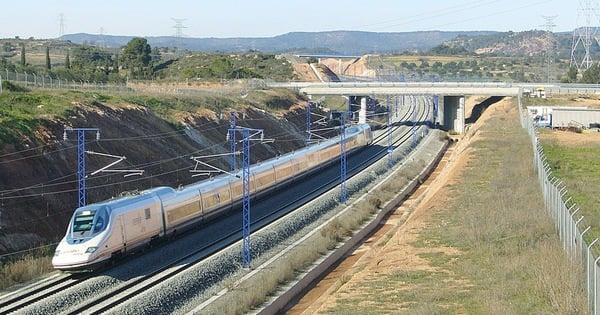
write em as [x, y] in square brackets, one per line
[157, 135]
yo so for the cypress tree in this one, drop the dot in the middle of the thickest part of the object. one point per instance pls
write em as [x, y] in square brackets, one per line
[106, 64]
[116, 67]
[23, 62]
[67, 61]
[48, 64]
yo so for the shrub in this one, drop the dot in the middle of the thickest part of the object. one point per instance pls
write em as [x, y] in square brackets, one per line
[12, 87]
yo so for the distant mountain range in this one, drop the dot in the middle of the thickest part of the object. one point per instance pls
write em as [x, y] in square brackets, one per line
[333, 42]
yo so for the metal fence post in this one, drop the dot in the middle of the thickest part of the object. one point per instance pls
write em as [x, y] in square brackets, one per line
[596, 285]
[577, 237]
[589, 273]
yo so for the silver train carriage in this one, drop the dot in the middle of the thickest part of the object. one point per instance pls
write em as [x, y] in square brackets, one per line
[103, 230]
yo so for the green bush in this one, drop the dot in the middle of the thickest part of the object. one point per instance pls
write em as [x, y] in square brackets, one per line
[9, 86]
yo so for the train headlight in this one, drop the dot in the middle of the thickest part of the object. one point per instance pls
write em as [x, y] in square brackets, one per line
[90, 250]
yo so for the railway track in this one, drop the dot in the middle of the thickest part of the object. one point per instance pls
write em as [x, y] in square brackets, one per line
[111, 289]
[38, 291]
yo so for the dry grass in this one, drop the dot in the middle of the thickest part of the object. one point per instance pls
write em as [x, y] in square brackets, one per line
[27, 268]
[491, 249]
[253, 292]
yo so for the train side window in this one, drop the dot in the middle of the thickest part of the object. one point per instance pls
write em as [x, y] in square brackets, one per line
[99, 225]
[147, 212]
[100, 221]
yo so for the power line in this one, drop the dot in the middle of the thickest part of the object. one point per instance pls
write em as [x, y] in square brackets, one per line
[549, 27]
[584, 35]
[57, 182]
[50, 184]
[431, 15]
[178, 31]
[61, 27]
[9, 194]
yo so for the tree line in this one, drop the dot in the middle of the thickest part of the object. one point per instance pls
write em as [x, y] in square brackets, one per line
[88, 63]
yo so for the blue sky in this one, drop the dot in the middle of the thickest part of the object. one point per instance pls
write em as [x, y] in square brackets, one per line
[231, 18]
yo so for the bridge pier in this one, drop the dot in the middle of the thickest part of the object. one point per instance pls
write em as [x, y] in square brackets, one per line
[452, 113]
[449, 111]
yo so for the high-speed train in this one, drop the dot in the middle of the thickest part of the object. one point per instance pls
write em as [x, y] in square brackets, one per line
[108, 229]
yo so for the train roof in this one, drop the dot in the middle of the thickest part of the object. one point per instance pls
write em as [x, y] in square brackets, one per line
[130, 198]
[282, 158]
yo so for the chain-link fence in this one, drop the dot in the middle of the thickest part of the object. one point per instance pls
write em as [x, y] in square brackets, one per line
[185, 87]
[36, 81]
[569, 222]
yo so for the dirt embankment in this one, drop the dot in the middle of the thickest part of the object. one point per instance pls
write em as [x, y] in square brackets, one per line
[327, 70]
[304, 72]
[39, 183]
[349, 67]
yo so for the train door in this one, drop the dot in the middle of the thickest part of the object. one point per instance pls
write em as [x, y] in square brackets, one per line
[123, 231]
[119, 229]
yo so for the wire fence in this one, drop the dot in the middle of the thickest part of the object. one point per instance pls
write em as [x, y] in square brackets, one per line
[184, 87]
[36, 81]
[242, 86]
[569, 222]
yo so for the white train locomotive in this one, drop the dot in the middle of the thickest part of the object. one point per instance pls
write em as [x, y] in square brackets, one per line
[100, 231]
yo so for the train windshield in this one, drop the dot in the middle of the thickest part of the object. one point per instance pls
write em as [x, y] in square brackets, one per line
[87, 223]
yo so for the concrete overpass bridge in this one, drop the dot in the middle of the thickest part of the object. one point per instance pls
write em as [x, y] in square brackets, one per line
[450, 95]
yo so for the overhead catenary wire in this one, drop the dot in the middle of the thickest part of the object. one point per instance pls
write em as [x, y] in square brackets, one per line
[96, 186]
[9, 194]
[39, 185]
[56, 182]
[180, 132]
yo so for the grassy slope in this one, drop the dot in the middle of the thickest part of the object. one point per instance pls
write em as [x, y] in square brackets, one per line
[505, 257]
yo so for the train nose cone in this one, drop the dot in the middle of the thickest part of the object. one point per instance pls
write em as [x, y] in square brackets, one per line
[71, 258]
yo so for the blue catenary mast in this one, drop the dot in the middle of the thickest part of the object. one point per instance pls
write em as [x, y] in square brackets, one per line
[308, 123]
[81, 167]
[436, 102]
[414, 131]
[343, 158]
[246, 138]
[389, 131]
[246, 248]
[81, 189]
[232, 139]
